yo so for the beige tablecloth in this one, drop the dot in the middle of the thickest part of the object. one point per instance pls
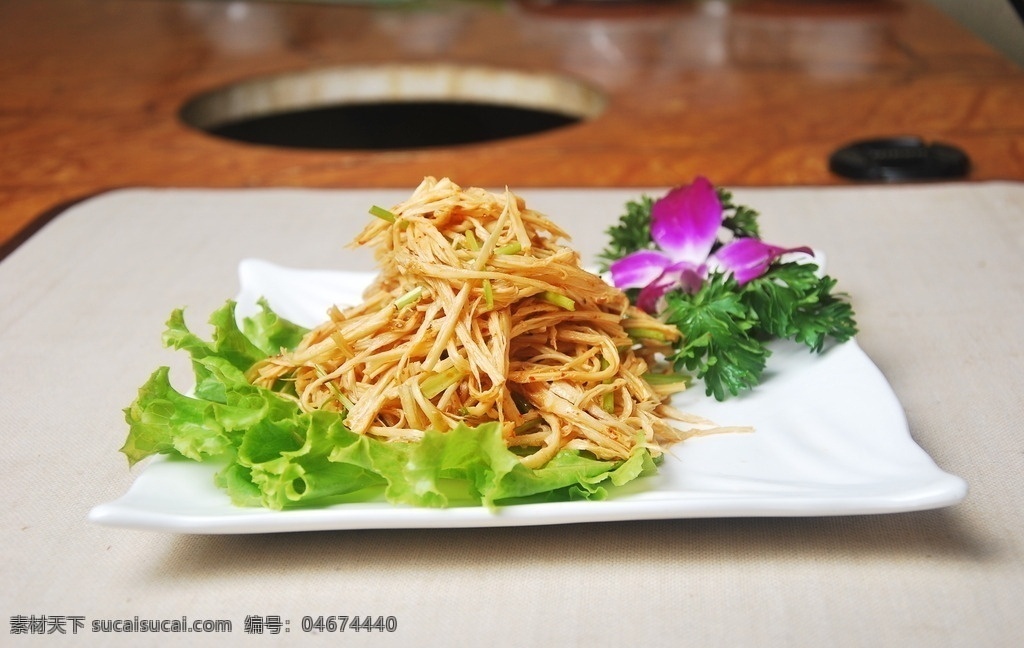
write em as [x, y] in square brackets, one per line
[935, 273]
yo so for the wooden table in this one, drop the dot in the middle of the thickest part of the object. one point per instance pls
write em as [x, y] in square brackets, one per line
[747, 93]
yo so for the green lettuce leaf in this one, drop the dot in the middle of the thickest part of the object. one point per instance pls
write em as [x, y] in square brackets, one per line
[277, 456]
[271, 332]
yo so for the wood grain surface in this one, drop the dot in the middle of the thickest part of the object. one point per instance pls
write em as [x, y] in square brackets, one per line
[746, 93]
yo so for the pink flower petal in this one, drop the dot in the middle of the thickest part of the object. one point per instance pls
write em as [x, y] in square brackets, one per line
[749, 258]
[685, 222]
[680, 275]
[648, 298]
[638, 269]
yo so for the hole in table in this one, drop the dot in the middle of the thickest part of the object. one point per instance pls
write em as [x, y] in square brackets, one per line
[392, 107]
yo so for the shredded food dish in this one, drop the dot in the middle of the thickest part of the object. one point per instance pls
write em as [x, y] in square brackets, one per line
[481, 314]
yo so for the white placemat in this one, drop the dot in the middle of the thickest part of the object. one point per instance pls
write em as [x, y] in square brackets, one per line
[934, 272]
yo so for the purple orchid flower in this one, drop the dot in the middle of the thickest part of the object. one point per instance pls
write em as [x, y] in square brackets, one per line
[685, 224]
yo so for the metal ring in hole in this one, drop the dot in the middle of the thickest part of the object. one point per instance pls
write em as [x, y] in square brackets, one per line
[379, 107]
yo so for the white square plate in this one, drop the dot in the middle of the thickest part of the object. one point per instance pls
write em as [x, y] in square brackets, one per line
[830, 439]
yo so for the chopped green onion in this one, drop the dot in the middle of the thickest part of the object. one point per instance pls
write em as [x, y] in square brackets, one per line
[438, 382]
[410, 297]
[529, 425]
[665, 378]
[512, 248]
[335, 392]
[382, 213]
[558, 300]
[608, 403]
[471, 241]
[646, 334]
